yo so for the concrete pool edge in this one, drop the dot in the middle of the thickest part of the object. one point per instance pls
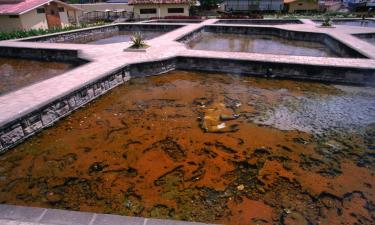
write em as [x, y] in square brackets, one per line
[43, 54]
[22, 215]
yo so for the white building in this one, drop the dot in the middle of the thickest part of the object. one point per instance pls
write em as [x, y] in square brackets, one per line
[36, 14]
[146, 9]
[253, 5]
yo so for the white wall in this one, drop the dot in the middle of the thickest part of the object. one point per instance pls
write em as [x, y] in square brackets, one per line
[102, 7]
[161, 10]
[64, 17]
[10, 24]
[34, 20]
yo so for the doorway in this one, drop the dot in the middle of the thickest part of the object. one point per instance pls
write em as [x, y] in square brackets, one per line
[52, 15]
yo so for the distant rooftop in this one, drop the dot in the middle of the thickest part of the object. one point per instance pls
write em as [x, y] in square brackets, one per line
[144, 2]
[118, 1]
[18, 7]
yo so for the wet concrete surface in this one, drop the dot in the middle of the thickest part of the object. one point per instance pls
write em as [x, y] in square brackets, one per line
[195, 147]
[116, 37]
[266, 44]
[18, 73]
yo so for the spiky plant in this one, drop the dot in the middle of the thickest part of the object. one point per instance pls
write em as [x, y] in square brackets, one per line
[327, 22]
[138, 40]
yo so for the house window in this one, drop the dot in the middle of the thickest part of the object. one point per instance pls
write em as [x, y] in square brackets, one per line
[40, 10]
[175, 10]
[147, 11]
[14, 16]
[61, 9]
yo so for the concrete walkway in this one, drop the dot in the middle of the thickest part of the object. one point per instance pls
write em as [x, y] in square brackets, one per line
[20, 215]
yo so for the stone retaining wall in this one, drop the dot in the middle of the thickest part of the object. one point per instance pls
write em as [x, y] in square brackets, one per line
[259, 21]
[93, 34]
[365, 36]
[330, 74]
[62, 55]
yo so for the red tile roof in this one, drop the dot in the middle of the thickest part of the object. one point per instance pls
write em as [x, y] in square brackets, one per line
[18, 7]
[146, 2]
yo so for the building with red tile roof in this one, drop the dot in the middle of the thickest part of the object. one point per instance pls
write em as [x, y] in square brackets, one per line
[36, 14]
[161, 8]
[292, 6]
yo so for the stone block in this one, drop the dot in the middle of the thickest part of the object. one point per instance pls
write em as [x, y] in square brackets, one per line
[72, 102]
[61, 108]
[106, 85]
[90, 93]
[119, 79]
[82, 97]
[97, 89]
[112, 81]
[11, 135]
[32, 124]
[48, 116]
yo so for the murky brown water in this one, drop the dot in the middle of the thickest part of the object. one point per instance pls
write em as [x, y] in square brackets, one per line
[266, 44]
[18, 73]
[117, 37]
[195, 146]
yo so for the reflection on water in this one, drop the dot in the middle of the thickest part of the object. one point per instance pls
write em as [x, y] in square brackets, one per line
[195, 146]
[18, 73]
[258, 44]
